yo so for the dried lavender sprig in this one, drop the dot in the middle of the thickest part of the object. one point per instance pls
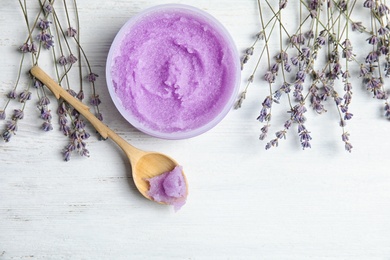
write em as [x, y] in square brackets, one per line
[91, 77]
[263, 36]
[25, 95]
[336, 71]
[46, 39]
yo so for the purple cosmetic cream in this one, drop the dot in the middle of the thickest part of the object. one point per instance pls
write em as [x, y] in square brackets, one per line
[169, 188]
[173, 71]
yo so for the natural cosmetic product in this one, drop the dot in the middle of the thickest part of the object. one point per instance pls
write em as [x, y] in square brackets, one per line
[173, 71]
[169, 188]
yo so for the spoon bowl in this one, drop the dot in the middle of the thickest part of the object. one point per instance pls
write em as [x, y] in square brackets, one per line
[144, 165]
[148, 166]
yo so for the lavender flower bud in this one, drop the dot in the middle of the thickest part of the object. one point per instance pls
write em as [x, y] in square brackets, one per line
[262, 136]
[32, 48]
[304, 136]
[294, 40]
[7, 136]
[382, 9]
[345, 137]
[282, 4]
[346, 75]
[364, 70]
[300, 76]
[2, 115]
[46, 126]
[372, 57]
[62, 108]
[251, 78]
[75, 113]
[274, 142]
[368, 3]
[348, 146]
[62, 60]
[281, 134]
[48, 8]
[37, 83]
[85, 135]
[263, 115]
[44, 101]
[12, 94]
[287, 67]
[309, 34]
[249, 51]
[100, 116]
[79, 124]
[84, 152]
[267, 102]
[71, 32]
[294, 60]
[269, 77]
[24, 96]
[65, 130]
[383, 31]
[313, 14]
[387, 110]
[244, 60]
[305, 144]
[62, 120]
[80, 95]
[287, 124]
[44, 24]
[260, 35]
[314, 4]
[301, 39]
[320, 40]
[286, 87]
[92, 77]
[66, 155]
[44, 37]
[95, 100]
[347, 87]
[348, 116]
[24, 48]
[344, 108]
[383, 49]
[277, 95]
[46, 114]
[342, 5]
[305, 52]
[357, 26]
[373, 40]
[347, 98]
[275, 68]
[338, 100]
[12, 126]
[48, 44]
[18, 114]
[72, 59]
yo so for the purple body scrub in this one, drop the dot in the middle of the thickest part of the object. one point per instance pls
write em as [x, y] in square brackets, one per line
[173, 71]
[169, 188]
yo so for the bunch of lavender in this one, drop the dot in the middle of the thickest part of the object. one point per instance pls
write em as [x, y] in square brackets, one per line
[46, 33]
[297, 71]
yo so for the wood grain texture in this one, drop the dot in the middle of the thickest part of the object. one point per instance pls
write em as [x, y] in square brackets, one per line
[244, 202]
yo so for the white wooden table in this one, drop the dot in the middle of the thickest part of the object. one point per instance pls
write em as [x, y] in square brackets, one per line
[244, 203]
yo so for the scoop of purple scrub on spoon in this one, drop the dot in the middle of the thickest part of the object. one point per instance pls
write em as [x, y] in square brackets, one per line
[157, 176]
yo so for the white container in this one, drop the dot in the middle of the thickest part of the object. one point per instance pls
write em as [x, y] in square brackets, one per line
[173, 71]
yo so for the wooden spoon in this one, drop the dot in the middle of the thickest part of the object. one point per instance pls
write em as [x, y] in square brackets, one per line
[144, 165]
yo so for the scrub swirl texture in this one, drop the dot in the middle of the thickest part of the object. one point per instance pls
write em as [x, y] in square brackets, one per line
[173, 72]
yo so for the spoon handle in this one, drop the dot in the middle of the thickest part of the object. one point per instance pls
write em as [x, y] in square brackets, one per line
[103, 130]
